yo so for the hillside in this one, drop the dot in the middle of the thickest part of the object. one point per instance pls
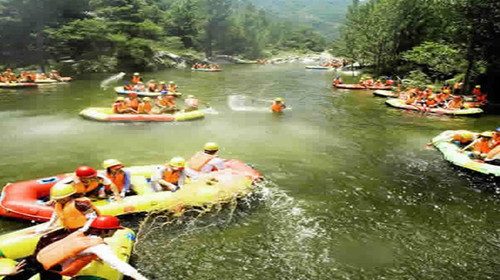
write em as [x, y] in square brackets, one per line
[322, 15]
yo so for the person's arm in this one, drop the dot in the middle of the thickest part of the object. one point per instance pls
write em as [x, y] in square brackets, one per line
[10, 271]
[126, 183]
[107, 182]
[49, 224]
[90, 218]
[105, 253]
[470, 145]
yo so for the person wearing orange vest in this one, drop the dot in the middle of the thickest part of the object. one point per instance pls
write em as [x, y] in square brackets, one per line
[337, 80]
[164, 104]
[162, 87]
[206, 161]
[171, 176]
[388, 81]
[144, 106]
[172, 87]
[378, 83]
[152, 86]
[191, 103]
[88, 182]
[481, 146]
[119, 106]
[114, 171]
[136, 78]
[457, 87]
[127, 86]
[456, 103]
[131, 101]
[278, 105]
[67, 256]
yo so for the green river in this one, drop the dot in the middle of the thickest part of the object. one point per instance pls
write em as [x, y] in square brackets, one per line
[352, 192]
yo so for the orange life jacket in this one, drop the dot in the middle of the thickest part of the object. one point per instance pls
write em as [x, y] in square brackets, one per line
[455, 104]
[476, 91]
[481, 97]
[132, 103]
[482, 146]
[389, 82]
[192, 102]
[171, 87]
[70, 216]
[118, 107]
[118, 179]
[277, 107]
[457, 86]
[67, 248]
[199, 160]
[136, 79]
[171, 176]
[94, 184]
[144, 108]
[430, 102]
[128, 87]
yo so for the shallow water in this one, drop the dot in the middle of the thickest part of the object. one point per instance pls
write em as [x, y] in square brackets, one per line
[353, 193]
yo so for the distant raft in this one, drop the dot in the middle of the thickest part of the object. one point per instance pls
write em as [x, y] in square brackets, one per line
[206, 70]
[18, 85]
[121, 90]
[317, 67]
[361, 87]
[454, 154]
[107, 115]
[20, 244]
[26, 199]
[385, 93]
[398, 103]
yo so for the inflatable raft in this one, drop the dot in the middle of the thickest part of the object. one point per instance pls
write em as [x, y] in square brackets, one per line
[454, 154]
[206, 70]
[385, 93]
[121, 90]
[26, 200]
[17, 85]
[398, 103]
[318, 68]
[47, 81]
[358, 86]
[107, 115]
[22, 243]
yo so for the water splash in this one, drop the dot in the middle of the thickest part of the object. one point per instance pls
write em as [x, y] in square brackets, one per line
[112, 79]
[246, 103]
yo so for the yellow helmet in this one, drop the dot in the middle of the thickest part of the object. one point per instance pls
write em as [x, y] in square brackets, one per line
[478, 86]
[136, 74]
[190, 96]
[279, 99]
[162, 82]
[110, 163]
[120, 98]
[486, 134]
[468, 135]
[178, 162]
[430, 86]
[171, 82]
[211, 146]
[60, 191]
[146, 99]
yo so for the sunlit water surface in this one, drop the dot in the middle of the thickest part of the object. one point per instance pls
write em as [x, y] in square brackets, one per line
[352, 192]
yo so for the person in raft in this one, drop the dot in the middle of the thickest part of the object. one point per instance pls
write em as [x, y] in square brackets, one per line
[144, 106]
[278, 105]
[136, 78]
[132, 102]
[71, 211]
[171, 176]
[164, 104]
[481, 146]
[88, 182]
[119, 107]
[114, 171]
[69, 255]
[206, 161]
[191, 103]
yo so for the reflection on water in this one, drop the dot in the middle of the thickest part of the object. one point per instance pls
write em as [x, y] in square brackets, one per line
[355, 194]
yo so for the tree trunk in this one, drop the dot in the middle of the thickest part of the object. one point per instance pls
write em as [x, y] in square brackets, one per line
[39, 47]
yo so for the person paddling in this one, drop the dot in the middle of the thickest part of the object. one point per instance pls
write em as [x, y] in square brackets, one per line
[171, 176]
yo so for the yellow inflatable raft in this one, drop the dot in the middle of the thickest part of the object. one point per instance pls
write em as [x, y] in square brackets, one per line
[121, 243]
[107, 115]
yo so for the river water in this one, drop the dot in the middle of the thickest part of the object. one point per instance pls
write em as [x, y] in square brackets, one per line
[352, 193]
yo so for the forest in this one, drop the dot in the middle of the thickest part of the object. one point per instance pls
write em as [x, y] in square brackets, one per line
[111, 35]
[426, 40]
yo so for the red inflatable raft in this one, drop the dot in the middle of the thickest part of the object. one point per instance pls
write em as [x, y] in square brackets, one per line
[358, 86]
[27, 199]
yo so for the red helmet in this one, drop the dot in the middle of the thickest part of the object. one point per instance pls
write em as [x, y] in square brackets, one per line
[85, 172]
[131, 94]
[106, 222]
